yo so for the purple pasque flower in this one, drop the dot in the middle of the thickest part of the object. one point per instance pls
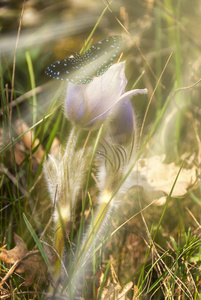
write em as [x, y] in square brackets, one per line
[91, 104]
[122, 126]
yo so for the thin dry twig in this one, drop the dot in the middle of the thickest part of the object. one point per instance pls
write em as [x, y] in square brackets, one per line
[193, 218]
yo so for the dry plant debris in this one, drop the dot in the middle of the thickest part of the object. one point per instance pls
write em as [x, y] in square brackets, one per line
[112, 288]
[30, 142]
[24, 261]
[157, 178]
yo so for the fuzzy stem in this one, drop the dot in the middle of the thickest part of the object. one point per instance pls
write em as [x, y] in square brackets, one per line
[72, 140]
[64, 213]
[94, 233]
[86, 249]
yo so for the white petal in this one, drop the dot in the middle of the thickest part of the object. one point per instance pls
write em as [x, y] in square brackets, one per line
[103, 92]
[74, 106]
[124, 97]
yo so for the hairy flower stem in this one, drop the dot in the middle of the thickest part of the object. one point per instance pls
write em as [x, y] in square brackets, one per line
[71, 143]
[64, 212]
[95, 232]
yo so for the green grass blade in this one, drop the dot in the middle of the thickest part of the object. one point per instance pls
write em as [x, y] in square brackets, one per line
[39, 244]
[33, 85]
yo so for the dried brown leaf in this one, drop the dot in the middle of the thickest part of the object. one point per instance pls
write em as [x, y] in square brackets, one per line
[54, 150]
[26, 261]
[11, 256]
[28, 139]
[20, 153]
[112, 288]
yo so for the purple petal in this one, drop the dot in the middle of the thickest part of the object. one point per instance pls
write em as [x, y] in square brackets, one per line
[103, 92]
[122, 126]
[124, 97]
[89, 105]
[74, 106]
[133, 93]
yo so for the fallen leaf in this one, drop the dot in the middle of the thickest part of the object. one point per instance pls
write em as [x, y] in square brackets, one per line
[112, 289]
[20, 153]
[26, 261]
[54, 150]
[135, 291]
[157, 178]
[11, 256]
[28, 138]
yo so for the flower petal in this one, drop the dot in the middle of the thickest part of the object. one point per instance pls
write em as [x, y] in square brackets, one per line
[86, 104]
[74, 106]
[124, 97]
[103, 92]
[90, 105]
[122, 126]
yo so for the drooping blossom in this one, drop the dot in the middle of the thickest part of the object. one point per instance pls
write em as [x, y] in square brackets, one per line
[92, 104]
